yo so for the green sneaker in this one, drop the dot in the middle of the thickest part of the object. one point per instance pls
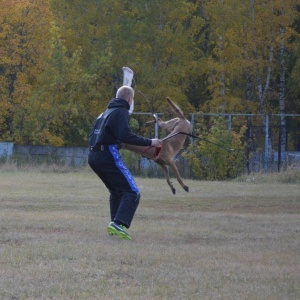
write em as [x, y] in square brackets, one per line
[113, 232]
[114, 229]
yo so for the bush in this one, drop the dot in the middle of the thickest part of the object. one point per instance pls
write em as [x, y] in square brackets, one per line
[138, 167]
[210, 157]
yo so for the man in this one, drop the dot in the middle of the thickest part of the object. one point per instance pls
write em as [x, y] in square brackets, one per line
[111, 128]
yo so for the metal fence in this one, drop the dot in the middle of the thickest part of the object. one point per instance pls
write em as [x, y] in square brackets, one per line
[70, 156]
[262, 134]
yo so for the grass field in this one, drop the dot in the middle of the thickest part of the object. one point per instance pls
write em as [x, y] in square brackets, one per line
[222, 240]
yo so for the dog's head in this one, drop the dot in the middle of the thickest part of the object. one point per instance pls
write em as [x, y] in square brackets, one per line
[180, 123]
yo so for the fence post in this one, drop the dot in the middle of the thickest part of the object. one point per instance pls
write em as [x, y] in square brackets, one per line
[192, 121]
[248, 137]
[267, 143]
[229, 122]
[279, 148]
[156, 127]
[192, 126]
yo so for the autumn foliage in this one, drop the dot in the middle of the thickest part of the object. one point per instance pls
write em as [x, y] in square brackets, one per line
[61, 60]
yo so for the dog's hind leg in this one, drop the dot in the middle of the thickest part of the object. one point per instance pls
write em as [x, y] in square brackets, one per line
[166, 173]
[179, 179]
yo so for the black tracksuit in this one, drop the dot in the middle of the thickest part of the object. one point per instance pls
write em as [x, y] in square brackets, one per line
[107, 163]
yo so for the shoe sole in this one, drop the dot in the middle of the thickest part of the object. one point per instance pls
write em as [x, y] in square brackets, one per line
[123, 235]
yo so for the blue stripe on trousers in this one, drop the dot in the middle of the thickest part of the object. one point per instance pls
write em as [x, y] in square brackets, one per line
[122, 167]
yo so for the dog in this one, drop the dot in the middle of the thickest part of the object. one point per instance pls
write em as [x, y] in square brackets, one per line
[177, 129]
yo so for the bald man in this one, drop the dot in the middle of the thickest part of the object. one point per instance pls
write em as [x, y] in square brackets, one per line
[111, 128]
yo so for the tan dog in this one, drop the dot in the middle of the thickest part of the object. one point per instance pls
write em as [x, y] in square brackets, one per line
[171, 144]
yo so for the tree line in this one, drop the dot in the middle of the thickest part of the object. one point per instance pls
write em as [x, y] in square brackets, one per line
[61, 61]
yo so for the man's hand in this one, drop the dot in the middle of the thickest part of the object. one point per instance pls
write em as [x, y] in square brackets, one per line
[156, 142]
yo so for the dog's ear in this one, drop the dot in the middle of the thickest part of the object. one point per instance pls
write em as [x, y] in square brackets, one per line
[176, 109]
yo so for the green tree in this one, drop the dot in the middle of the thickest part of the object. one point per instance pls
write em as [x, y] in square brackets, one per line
[58, 113]
[246, 59]
[154, 38]
[59, 71]
[246, 71]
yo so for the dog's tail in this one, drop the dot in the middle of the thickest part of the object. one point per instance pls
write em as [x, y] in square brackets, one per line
[176, 108]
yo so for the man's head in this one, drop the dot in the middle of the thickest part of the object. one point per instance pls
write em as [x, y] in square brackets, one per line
[127, 93]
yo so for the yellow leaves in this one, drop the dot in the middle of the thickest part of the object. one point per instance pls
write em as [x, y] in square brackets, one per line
[61, 60]
[5, 110]
[245, 37]
[24, 39]
[48, 138]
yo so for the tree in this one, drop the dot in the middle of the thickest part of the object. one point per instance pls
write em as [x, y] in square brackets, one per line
[59, 71]
[151, 37]
[23, 41]
[55, 101]
[249, 50]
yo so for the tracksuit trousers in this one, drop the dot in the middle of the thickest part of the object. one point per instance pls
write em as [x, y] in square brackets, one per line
[124, 193]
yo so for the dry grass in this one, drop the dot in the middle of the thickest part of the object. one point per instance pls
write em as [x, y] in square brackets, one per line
[222, 240]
